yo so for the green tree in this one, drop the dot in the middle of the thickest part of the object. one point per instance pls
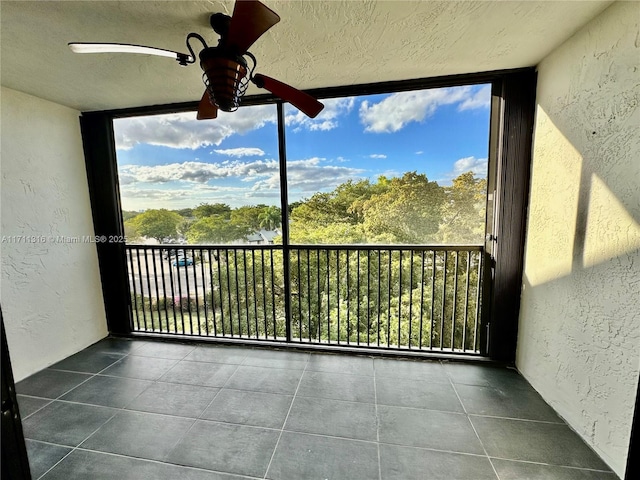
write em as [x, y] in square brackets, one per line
[339, 206]
[131, 232]
[408, 211]
[207, 209]
[248, 215]
[270, 218]
[463, 213]
[128, 215]
[216, 229]
[185, 212]
[158, 224]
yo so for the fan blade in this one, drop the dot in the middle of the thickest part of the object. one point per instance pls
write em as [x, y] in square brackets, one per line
[126, 48]
[302, 101]
[249, 21]
[206, 111]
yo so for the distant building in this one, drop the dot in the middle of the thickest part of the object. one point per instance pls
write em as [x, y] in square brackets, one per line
[263, 237]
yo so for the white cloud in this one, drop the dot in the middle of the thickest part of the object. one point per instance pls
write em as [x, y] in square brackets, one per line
[154, 193]
[470, 164]
[199, 172]
[377, 155]
[241, 152]
[262, 179]
[419, 152]
[326, 120]
[399, 109]
[134, 198]
[480, 99]
[182, 130]
[309, 176]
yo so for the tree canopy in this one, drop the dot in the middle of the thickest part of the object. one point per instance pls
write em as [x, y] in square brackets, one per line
[410, 209]
[159, 224]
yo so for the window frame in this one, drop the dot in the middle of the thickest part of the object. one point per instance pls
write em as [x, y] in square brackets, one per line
[510, 139]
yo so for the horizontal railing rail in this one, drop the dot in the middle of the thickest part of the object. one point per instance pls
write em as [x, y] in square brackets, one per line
[407, 297]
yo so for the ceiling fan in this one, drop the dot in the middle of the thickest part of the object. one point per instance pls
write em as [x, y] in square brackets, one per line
[226, 68]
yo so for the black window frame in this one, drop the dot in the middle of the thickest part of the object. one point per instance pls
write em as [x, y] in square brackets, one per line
[510, 141]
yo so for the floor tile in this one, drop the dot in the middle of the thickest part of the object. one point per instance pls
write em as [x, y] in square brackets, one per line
[174, 399]
[269, 380]
[550, 443]
[249, 408]
[354, 388]
[485, 375]
[65, 423]
[428, 428]
[226, 448]
[43, 456]
[199, 373]
[144, 368]
[511, 403]
[354, 365]
[123, 346]
[88, 361]
[50, 383]
[429, 371]
[173, 351]
[333, 417]
[82, 464]
[276, 359]
[407, 463]
[143, 435]
[232, 355]
[28, 405]
[114, 392]
[299, 456]
[508, 470]
[404, 392]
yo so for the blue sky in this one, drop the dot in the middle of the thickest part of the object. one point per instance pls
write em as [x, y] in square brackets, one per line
[174, 161]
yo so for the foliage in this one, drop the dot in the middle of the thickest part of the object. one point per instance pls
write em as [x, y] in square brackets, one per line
[128, 215]
[418, 296]
[208, 209]
[185, 212]
[131, 232]
[249, 216]
[158, 224]
[408, 211]
[463, 213]
[216, 229]
[270, 218]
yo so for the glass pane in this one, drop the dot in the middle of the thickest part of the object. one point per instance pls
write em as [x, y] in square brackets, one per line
[200, 182]
[401, 168]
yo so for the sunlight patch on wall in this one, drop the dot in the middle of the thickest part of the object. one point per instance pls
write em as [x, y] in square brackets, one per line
[611, 230]
[555, 190]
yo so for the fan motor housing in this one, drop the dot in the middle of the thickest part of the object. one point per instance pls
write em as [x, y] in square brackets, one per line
[225, 76]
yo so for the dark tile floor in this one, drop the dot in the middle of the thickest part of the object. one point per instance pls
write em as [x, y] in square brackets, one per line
[131, 409]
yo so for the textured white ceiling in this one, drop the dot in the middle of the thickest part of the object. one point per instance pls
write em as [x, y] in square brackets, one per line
[316, 44]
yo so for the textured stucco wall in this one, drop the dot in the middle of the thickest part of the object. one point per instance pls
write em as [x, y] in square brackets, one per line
[579, 333]
[51, 295]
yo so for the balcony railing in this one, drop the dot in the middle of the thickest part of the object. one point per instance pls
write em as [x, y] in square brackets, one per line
[423, 298]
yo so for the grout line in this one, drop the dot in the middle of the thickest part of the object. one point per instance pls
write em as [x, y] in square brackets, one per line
[35, 411]
[150, 460]
[199, 417]
[529, 462]
[73, 449]
[305, 371]
[286, 418]
[548, 422]
[474, 429]
[375, 401]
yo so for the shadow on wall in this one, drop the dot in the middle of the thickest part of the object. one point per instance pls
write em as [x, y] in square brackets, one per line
[579, 321]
